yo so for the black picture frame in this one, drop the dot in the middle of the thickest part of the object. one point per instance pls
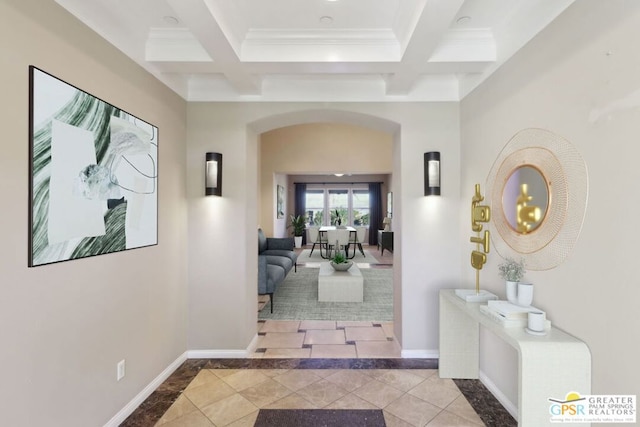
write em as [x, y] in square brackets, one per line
[93, 174]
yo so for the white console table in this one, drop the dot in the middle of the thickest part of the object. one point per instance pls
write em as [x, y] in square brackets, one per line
[549, 366]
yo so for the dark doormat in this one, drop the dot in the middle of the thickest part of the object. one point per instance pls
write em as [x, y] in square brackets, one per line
[320, 418]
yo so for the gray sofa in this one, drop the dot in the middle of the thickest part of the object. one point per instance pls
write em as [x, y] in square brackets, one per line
[276, 258]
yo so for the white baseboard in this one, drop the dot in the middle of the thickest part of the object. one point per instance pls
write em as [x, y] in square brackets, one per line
[146, 392]
[419, 354]
[253, 345]
[491, 386]
[216, 354]
[190, 354]
[225, 354]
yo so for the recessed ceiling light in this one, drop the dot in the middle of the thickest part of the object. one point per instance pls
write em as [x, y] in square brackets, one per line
[172, 20]
[463, 19]
[326, 19]
[338, 174]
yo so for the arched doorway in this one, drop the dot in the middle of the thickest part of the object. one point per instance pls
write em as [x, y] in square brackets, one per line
[331, 117]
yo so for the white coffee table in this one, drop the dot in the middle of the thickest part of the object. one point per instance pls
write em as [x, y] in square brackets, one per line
[340, 286]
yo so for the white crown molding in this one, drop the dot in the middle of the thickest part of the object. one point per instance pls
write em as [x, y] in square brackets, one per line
[321, 46]
[305, 88]
[146, 392]
[407, 49]
[329, 36]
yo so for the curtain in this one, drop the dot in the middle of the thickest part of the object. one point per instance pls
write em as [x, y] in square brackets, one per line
[375, 212]
[300, 207]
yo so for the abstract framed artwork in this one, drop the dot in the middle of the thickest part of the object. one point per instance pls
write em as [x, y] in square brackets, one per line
[279, 201]
[93, 177]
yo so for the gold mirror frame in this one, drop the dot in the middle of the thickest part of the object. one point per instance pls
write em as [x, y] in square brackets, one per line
[565, 173]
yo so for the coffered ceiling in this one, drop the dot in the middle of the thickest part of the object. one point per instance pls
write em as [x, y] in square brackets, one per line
[318, 50]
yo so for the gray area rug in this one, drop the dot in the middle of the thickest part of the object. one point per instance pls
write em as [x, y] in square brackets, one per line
[306, 256]
[320, 418]
[297, 298]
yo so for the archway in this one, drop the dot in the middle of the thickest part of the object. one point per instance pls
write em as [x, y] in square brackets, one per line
[335, 116]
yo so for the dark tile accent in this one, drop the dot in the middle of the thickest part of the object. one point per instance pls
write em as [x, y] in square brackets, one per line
[376, 325]
[389, 338]
[350, 342]
[261, 350]
[320, 418]
[152, 409]
[262, 334]
[485, 404]
[306, 346]
[262, 321]
[302, 330]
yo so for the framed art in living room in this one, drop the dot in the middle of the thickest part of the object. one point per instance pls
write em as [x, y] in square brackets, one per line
[93, 177]
[279, 201]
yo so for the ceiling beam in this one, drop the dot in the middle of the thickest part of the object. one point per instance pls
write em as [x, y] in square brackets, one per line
[434, 21]
[199, 17]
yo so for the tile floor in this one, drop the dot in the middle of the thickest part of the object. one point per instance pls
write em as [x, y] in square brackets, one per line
[233, 397]
[313, 364]
[325, 339]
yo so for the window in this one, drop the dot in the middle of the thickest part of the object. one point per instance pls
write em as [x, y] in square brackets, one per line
[333, 206]
[339, 207]
[314, 204]
[360, 207]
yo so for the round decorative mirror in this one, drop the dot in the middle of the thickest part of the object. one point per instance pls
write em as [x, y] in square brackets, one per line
[525, 199]
[538, 189]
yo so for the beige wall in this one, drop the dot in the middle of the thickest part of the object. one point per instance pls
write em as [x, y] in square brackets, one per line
[223, 243]
[321, 148]
[65, 326]
[579, 79]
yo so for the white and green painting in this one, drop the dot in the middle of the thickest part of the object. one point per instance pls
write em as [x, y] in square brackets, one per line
[94, 175]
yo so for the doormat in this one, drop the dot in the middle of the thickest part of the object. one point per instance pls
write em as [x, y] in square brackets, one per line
[320, 418]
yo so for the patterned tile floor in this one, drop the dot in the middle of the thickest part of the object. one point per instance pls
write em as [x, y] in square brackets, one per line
[408, 397]
[325, 339]
[319, 364]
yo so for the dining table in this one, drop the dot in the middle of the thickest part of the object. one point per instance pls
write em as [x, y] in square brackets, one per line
[323, 233]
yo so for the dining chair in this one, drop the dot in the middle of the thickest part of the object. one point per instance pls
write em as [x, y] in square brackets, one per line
[337, 240]
[331, 236]
[313, 236]
[361, 232]
[324, 243]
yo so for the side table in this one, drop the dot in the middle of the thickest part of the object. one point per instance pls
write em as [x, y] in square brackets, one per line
[385, 241]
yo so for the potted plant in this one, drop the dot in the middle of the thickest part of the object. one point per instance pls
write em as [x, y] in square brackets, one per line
[512, 272]
[298, 224]
[339, 262]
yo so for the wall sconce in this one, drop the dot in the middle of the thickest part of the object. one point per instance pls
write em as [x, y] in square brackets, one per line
[432, 173]
[213, 174]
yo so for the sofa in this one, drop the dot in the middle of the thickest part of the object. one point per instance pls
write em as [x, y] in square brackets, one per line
[276, 258]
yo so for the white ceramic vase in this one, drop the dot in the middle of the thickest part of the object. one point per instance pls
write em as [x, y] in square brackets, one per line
[512, 292]
[525, 294]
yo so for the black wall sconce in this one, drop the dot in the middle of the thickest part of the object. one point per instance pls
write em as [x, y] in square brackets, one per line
[213, 174]
[432, 173]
